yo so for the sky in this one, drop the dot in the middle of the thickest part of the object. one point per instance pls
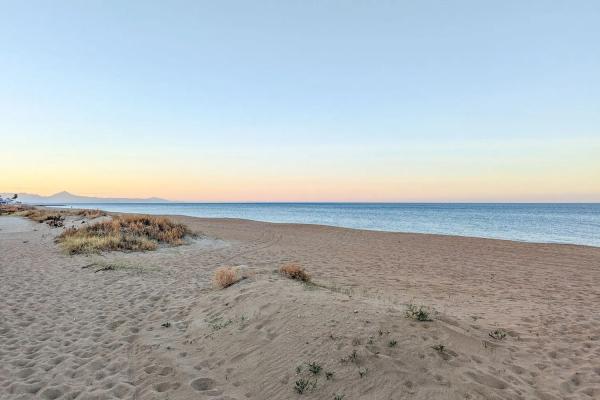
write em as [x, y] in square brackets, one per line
[302, 100]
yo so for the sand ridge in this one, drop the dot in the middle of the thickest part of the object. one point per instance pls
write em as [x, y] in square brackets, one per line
[68, 332]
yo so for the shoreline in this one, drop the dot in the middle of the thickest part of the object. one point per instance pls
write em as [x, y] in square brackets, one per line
[341, 227]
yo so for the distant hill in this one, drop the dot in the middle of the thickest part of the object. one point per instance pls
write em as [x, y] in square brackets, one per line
[68, 198]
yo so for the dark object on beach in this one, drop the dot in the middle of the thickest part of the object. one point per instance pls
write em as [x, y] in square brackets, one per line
[166, 325]
[55, 221]
[497, 334]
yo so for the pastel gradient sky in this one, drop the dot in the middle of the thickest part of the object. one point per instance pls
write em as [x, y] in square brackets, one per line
[302, 100]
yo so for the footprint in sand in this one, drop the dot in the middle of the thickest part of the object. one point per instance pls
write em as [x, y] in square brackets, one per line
[203, 384]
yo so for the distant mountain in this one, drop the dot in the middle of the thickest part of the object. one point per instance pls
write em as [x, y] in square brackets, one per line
[68, 198]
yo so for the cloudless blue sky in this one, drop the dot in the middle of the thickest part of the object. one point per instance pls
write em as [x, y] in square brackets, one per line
[386, 80]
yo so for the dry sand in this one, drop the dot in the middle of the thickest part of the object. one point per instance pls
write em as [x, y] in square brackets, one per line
[67, 332]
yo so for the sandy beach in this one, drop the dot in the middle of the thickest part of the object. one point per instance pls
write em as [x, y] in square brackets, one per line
[157, 328]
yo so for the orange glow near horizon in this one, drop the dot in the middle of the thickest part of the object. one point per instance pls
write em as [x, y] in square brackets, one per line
[552, 171]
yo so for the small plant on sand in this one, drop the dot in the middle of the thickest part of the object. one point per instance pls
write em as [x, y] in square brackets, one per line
[440, 348]
[363, 372]
[329, 375]
[294, 271]
[166, 324]
[352, 357]
[314, 367]
[225, 277]
[217, 324]
[418, 313]
[299, 369]
[123, 233]
[302, 385]
[498, 334]
[339, 396]
[392, 343]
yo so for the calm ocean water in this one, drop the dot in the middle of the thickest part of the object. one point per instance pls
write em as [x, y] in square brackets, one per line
[546, 223]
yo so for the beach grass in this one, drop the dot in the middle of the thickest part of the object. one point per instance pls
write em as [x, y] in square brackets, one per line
[123, 233]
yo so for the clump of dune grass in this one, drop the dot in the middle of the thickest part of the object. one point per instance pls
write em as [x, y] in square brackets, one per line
[123, 233]
[294, 271]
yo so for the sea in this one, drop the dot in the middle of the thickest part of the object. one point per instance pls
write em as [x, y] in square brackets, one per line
[542, 223]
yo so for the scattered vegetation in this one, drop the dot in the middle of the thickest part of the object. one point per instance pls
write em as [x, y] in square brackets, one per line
[10, 209]
[53, 217]
[363, 372]
[329, 375]
[339, 396]
[314, 368]
[124, 233]
[166, 325]
[294, 271]
[392, 343]
[418, 313]
[498, 334]
[302, 385]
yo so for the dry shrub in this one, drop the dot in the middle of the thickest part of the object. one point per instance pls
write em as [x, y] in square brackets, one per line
[124, 233]
[9, 209]
[226, 276]
[294, 271]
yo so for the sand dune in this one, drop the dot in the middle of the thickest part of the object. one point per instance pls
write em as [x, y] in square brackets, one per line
[155, 328]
